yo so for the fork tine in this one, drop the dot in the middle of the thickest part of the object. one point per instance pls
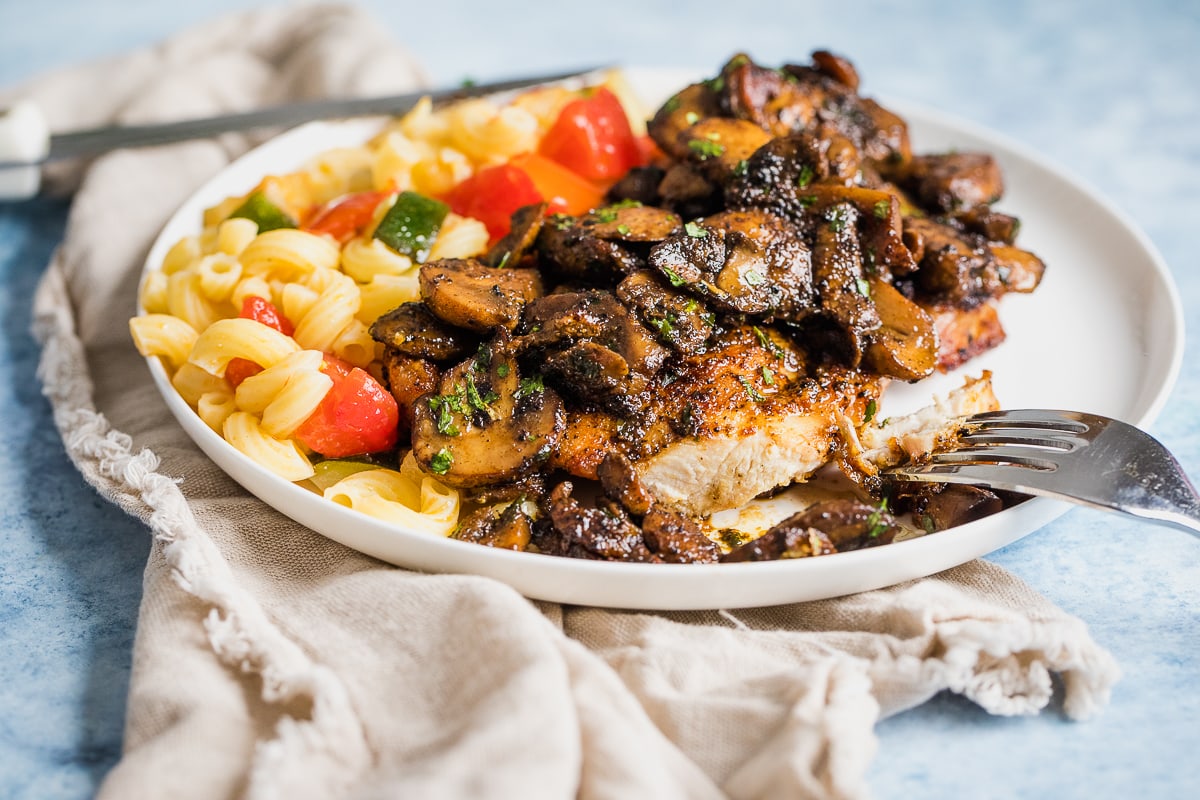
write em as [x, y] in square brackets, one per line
[1066, 421]
[1030, 437]
[1014, 455]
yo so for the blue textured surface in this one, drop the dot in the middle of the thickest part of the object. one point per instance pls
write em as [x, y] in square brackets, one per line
[1108, 90]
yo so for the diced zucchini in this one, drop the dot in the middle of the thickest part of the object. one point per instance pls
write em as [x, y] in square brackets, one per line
[411, 225]
[266, 214]
[331, 471]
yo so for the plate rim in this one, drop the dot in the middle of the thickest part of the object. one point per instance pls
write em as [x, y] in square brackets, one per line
[624, 585]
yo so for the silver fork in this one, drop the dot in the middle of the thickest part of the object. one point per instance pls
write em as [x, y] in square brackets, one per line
[1068, 455]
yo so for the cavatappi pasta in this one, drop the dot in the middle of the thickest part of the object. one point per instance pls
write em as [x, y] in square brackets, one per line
[330, 290]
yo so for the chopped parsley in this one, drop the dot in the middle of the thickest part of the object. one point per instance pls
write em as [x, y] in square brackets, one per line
[530, 386]
[862, 286]
[882, 209]
[876, 524]
[691, 117]
[695, 230]
[672, 104]
[673, 277]
[805, 177]
[441, 461]
[740, 168]
[807, 200]
[504, 260]
[837, 219]
[479, 402]
[768, 376]
[767, 344]
[502, 370]
[755, 395]
[753, 278]
[717, 83]
[706, 148]
[443, 407]
[623, 229]
[664, 325]
[871, 409]
[606, 214]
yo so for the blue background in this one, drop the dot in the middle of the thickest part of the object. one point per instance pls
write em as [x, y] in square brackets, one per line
[1110, 91]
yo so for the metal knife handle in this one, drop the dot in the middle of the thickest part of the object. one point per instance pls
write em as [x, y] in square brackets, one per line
[26, 142]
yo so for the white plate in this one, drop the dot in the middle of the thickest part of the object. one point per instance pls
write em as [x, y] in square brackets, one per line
[1103, 333]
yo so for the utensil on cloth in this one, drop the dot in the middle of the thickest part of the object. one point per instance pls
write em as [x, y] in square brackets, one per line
[1068, 455]
[26, 141]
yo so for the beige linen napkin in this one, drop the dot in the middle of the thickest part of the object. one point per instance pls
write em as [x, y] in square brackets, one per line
[271, 662]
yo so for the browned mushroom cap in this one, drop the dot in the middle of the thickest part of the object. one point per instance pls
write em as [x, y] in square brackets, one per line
[1019, 270]
[677, 539]
[680, 320]
[747, 262]
[526, 224]
[906, 345]
[621, 483]
[557, 322]
[631, 222]
[825, 527]
[411, 330]
[408, 378]
[684, 109]
[471, 295]
[841, 283]
[569, 248]
[487, 424]
[956, 268]
[508, 528]
[778, 102]
[945, 505]
[604, 532]
[953, 182]
[836, 67]
[720, 146]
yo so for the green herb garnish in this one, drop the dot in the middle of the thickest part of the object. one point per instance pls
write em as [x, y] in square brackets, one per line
[441, 461]
[706, 148]
[695, 230]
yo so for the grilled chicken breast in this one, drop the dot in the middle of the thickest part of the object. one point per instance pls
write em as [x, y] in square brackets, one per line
[720, 428]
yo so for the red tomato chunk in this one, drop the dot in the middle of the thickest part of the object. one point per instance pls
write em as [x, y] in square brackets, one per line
[357, 416]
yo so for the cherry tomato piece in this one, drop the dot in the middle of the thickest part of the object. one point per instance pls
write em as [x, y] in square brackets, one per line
[345, 217]
[357, 415]
[592, 137]
[261, 310]
[491, 195]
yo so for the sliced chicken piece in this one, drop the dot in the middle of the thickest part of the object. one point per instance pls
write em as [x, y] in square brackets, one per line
[723, 427]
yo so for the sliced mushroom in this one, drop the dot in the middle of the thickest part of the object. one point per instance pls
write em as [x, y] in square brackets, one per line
[1019, 270]
[840, 282]
[631, 222]
[941, 506]
[825, 527]
[411, 330]
[604, 532]
[571, 249]
[638, 185]
[956, 268]
[680, 112]
[408, 378]
[488, 423]
[677, 539]
[836, 67]
[620, 482]
[558, 322]
[680, 320]
[720, 146]
[906, 345]
[507, 528]
[776, 101]
[511, 249]
[965, 333]
[748, 262]
[471, 295]
[953, 182]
